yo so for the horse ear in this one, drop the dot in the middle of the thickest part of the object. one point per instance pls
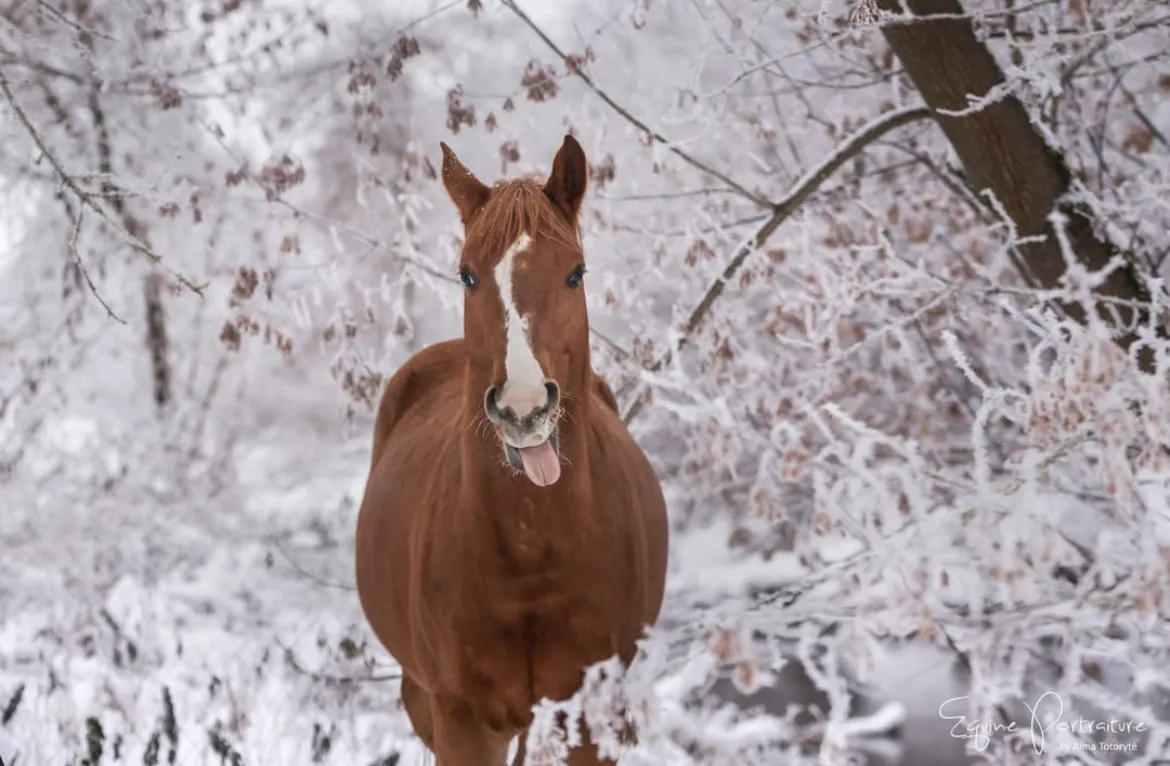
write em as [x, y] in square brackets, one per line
[465, 190]
[570, 172]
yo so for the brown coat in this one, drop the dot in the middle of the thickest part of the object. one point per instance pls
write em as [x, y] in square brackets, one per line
[490, 591]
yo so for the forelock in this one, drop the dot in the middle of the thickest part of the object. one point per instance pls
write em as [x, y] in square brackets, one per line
[516, 207]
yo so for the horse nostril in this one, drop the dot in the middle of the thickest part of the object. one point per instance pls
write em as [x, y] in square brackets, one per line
[490, 404]
[553, 393]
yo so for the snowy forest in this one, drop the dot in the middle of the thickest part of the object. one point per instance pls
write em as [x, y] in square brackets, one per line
[879, 286]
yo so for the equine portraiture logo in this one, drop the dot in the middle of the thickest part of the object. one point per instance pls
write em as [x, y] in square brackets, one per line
[1045, 715]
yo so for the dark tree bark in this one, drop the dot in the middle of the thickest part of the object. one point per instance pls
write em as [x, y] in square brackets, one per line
[1002, 151]
[157, 344]
[156, 339]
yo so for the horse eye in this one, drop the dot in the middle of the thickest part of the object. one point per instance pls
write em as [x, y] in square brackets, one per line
[576, 276]
[468, 279]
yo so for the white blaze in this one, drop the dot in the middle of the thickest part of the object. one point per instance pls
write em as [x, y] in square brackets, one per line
[523, 389]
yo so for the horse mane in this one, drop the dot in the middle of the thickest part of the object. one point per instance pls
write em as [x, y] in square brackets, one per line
[518, 206]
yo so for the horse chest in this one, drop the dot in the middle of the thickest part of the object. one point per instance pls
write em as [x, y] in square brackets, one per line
[524, 538]
[501, 669]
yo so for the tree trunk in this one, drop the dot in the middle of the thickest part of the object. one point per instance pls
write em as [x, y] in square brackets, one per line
[152, 290]
[156, 339]
[1002, 151]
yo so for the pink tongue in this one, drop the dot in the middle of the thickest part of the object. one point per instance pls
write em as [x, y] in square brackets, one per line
[541, 464]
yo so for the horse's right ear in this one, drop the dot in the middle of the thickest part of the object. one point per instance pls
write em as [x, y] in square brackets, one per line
[465, 190]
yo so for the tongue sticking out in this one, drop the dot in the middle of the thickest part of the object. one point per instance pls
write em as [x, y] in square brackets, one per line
[541, 464]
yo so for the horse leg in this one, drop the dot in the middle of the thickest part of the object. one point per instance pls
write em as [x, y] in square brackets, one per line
[417, 704]
[585, 755]
[521, 740]
[462, 741]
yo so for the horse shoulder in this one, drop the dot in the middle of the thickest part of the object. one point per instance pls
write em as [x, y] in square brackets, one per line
[604, 392]
[626, 478]
[406, 386]
[385, 550]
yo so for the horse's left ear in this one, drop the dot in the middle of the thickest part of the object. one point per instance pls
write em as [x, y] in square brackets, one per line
[570, 173]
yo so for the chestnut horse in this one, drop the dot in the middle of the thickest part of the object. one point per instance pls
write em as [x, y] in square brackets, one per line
[512, 532]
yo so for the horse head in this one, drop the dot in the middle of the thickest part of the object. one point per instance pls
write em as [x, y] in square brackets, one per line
[525, 320]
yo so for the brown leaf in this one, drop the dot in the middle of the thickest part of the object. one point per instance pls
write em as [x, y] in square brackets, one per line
[509, 152]
[575, 64]
[280, 176]
[245, 285]
[349, 648]
[406, 47]
[229, 336]
[539, 81]
[1138, 140]
[235, 177]
[603, 172]
[458, 114]
[359, 77]
[394, 68]
[167, 95]
[740, 537]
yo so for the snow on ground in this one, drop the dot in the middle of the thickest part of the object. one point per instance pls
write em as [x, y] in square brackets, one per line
[223, 624]
[227, 604]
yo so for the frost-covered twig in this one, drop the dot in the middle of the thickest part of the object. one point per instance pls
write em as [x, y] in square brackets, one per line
[333, 223]
[309, 575]
[801, 191]
[295, 665]
[87, 199]
[84, 272]
[80, 30]
[625, 113]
